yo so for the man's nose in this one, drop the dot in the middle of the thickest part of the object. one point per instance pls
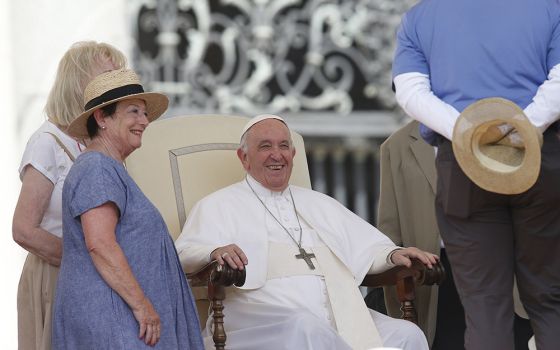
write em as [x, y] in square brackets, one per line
[276, 153]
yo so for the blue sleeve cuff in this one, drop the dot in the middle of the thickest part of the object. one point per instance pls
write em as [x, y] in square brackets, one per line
[430, 136]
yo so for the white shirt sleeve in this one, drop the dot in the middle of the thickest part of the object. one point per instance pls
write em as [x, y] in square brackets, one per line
[202, 233]
[43, 154]
[193, 257]
[545, 108]
[382, 262]
[414, 94]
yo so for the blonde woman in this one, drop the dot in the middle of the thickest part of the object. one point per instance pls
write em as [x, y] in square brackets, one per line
[48, 156]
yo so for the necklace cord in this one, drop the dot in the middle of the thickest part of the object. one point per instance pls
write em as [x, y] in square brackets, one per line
[278, 221]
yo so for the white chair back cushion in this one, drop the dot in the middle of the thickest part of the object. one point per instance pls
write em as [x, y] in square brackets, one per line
[183, 159]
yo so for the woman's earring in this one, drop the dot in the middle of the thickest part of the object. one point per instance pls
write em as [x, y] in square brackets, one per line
[103, 127]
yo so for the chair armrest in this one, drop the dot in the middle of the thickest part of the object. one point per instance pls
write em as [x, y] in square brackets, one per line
[406, 279]
[214, 274]
[420, 273]
[217, 277]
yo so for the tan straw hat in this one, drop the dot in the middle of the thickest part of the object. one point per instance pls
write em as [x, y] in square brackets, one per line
[497, 167]
[114, 86]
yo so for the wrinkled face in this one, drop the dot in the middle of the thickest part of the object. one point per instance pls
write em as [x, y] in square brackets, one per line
[269, 156]
[126, 126]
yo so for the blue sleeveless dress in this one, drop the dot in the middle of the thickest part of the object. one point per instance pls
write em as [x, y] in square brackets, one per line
[88, 314]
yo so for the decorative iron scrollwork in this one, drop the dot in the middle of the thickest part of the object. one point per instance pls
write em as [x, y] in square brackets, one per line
[250, 56]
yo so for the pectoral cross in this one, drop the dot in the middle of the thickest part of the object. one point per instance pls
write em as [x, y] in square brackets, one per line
[307, 257]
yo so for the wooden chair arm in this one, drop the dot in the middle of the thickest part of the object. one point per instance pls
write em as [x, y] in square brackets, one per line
[423, 276]
[406, 279]
[217, 277]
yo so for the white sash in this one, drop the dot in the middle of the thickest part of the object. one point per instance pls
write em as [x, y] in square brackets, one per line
[353, 321]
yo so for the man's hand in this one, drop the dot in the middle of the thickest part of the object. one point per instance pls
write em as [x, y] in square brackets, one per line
[505, 134]
[401, 257]
[496, 133]
[231, 254]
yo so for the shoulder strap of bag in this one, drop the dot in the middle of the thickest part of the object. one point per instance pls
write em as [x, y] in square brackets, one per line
[62, 146]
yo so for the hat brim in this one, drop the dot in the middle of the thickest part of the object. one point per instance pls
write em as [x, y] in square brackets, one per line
[156, 105]
[484, 171]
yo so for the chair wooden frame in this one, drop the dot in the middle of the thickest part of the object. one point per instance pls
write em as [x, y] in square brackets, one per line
[217, 278]
[406, 279]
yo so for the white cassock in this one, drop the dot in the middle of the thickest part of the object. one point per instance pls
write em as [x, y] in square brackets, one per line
[284, 304]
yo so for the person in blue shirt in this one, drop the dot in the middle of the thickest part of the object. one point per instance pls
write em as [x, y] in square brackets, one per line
[449, 55]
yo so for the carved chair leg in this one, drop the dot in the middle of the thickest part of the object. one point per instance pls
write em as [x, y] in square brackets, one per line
[217, 294]
[406, 295]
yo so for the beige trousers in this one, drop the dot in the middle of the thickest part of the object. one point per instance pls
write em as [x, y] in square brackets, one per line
[35, 301]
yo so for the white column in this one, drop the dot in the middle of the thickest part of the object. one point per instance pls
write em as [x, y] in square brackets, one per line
[319, 181]
[340, 191]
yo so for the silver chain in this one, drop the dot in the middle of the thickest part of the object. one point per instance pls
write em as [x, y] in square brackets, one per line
[278, 221]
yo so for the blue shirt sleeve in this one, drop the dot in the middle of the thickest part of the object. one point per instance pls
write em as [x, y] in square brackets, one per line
[553, 56]
[408, 55]
[98, 182]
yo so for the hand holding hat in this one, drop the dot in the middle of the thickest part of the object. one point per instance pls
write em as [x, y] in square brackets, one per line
[497, 147]
[506, 135]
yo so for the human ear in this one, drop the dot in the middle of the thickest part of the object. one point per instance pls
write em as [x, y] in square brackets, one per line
[243, 158]
[99, 117]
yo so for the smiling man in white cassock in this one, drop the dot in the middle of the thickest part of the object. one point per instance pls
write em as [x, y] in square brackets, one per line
[307, 255]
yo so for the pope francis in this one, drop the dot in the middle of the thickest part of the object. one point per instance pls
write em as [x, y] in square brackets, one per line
[306, 255]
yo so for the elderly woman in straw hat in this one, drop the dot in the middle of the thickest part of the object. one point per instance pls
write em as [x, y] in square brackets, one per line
[121, 285]
[48, 156]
